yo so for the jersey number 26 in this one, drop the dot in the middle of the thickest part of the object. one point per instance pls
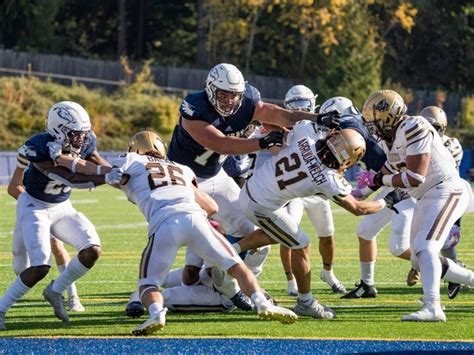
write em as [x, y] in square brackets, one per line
[160, 175]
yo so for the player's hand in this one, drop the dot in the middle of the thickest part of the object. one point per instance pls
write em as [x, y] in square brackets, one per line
[364, 179]
[55, 150]
[272, 139]
[113, 177]
[395, 197]
[330, 119]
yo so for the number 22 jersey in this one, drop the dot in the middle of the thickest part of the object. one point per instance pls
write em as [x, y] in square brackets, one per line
[159, 187]
[296, 171]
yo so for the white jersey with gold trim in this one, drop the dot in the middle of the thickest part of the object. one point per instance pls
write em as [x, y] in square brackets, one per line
[454, 148]
[415, 135]
[296, 171]
[159, 187]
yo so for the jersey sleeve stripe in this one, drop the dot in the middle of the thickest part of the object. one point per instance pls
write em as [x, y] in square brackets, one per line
[410, 130]
[420, 139]
[414, 134]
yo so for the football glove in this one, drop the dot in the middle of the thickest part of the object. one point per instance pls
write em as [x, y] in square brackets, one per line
[395, 197]
[272, 139]
[113, 177]
[55, 150]
[364, 179]
[331, 119]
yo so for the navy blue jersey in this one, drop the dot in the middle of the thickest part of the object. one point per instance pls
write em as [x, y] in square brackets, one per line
[185, 150]
[374, 157]
[36, 183]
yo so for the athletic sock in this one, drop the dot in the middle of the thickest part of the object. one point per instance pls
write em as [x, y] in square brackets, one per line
[430, 271]
[13, 294]
[292, 285]
[306, 298]
[71, 290]
[155, 308]
[367, 272]
[458, 274]
[258, 298]
[73, 271]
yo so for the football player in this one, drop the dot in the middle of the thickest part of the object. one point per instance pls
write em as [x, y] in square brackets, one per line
[311, 164]
[437, 117]
[418, 161]
[371, 225]
[300, 97]
[209, 128]
[20, 256]
[176, 212]
[44, 207]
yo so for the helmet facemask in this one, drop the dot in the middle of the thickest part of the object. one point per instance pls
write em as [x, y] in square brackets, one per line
[75, 141]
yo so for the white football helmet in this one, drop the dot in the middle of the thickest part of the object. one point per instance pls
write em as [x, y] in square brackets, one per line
[70, 124]
[437, 117]
[225, 87]
[301, 98]
[342, 105]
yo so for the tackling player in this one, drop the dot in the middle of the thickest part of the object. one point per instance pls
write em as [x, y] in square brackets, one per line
[311, 164]
[210, 126]
[176, 212]
[419, 162]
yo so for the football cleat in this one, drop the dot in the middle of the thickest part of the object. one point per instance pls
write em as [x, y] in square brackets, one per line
[2, 321]
[242, 302]
[331, 280]
[268, 311]
[453, 290]
[56, 301]
[313, 309]
[429, 312]
[152, 325]
[362, 290]
[413, 277]
[134, 309]
[75, 304]
[269, 297]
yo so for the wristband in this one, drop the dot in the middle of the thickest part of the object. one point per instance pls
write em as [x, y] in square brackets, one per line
[97, 170]
[383, 203]
[73, 165]
[387, 180]
[405, 180]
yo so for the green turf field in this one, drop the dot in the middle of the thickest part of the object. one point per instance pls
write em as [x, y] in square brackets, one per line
[105, 290]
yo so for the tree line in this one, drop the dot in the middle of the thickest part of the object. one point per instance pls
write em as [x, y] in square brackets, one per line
[344, 47]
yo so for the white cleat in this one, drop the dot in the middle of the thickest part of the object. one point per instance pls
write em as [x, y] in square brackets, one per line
[75, 304]
[313, 309]
[429, 312]
[56, 300]
[268, 311]
[329, 278]
[2, 321]
[152, 325]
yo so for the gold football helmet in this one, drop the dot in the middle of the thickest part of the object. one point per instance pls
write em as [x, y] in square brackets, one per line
[145, 142]
[437, 117]
[342, 149]
[384, 109]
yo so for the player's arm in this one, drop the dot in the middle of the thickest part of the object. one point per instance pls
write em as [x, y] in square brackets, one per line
[15, 186]
[360, 208]
[81, 166]
[69, 178]
[210, 137]
[270, 114]
[206, 202]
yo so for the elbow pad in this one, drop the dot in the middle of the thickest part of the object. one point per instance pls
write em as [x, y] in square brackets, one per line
[420, 178]
[76, 185]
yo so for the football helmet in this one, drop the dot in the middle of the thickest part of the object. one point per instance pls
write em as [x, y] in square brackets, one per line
[69, 123]
[384, 109]
[437, 117]
[146, 142]
[341, 149]
[225, 88]
[342, 105]
[300, 98]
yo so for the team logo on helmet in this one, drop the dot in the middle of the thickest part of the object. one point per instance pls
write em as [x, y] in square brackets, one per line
[64, 114]
[382, 106]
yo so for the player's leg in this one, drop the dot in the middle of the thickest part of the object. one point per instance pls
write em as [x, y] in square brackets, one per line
[62, 258]
[198, 298]
[320, 215]
[72, 227]
[216, 250]
[438, 209]
[192, 266]
[21, 261]
[34, 230]
[295, 208]
[367, 232]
